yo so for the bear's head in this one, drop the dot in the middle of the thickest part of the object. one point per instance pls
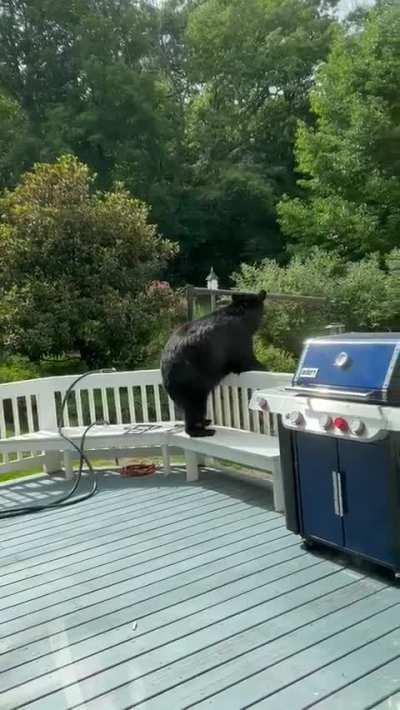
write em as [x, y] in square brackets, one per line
[249, 306]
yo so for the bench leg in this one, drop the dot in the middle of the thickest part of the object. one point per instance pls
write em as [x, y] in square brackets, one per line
[279, 501]
[68, 468]
[192, 466]
[166, 460]
[52, 462]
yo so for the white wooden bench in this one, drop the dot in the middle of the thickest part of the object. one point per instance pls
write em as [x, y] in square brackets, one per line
[29, 410]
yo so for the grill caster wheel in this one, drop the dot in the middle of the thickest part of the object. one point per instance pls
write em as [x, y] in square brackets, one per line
[309, 544]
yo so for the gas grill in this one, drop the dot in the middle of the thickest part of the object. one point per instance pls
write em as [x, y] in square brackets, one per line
[339, 435]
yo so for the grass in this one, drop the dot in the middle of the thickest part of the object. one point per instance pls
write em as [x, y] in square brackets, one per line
[7, 477]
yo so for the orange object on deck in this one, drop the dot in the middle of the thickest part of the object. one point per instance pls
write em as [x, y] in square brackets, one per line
[138, 469]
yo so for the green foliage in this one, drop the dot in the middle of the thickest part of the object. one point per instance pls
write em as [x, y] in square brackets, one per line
[251, 63]
[76, 268]
[87, 76]
[274, 359]
[16, 145]
[201, 108]
[351, 158]
[362, 296]
[15, 368]
[192, 104]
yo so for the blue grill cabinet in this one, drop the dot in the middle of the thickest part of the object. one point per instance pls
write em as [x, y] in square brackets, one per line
[340, 445]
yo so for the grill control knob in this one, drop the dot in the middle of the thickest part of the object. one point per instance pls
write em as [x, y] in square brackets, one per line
[263, 404]
[341, 424]
[357, 427]
[326, 422]
[295, 418]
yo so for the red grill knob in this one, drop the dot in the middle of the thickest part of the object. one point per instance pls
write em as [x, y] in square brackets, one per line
[341, 424]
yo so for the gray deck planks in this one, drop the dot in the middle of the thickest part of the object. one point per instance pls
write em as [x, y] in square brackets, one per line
[13, 596]
[265, 689]
[368, 690]
[93, 592]
[271, 641]
[391, 700]
[230, 611]
[377, 652]
[34, 554]
[102, 617]
[157, 586]
[149, 618]
[113, 542]
[210, 668]
[157, 650]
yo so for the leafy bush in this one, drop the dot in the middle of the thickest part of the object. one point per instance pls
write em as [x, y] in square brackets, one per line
[17, 368]
[274, 359]
[362, 296]
[76, 268]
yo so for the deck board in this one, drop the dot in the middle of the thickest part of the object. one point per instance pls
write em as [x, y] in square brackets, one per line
[159, 594]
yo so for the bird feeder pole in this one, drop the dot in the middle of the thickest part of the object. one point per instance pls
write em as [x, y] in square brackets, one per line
[212, 285]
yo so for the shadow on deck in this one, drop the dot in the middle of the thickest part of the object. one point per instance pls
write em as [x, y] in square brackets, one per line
[162, 594]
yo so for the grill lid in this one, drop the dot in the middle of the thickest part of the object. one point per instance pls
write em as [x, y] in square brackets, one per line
[362, 366]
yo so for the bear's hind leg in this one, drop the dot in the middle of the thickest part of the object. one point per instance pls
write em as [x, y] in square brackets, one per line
[195, 417]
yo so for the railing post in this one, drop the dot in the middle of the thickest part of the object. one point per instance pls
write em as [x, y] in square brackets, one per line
[46, 408]
[47, 416]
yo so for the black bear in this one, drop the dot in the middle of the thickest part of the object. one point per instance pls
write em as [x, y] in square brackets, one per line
[201, 353]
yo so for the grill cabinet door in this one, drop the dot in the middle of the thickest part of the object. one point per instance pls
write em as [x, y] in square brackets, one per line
[317, 466]
[371, 499]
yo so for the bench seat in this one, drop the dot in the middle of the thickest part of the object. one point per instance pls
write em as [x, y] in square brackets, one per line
[110, 438]
[259, 451]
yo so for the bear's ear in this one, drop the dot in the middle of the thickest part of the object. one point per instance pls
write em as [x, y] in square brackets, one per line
[262, 295]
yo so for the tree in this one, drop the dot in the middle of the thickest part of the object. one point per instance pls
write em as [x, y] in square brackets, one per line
[361, 295]
[87, 77]
[76, 269]
[351, 157]
[251, 65]
[193, 104]
[17, 150]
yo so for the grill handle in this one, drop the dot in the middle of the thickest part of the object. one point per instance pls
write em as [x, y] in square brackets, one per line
[337, 494]
[326, 391]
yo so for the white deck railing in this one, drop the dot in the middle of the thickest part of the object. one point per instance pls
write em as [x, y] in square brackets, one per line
[119, 398]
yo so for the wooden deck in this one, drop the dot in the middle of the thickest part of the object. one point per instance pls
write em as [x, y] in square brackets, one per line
[159, 594]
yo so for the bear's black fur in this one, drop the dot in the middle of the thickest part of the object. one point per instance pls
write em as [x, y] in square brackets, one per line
[201, 353]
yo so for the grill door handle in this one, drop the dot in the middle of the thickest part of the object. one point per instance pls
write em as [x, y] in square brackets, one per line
[337, 494]
[340, 494]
